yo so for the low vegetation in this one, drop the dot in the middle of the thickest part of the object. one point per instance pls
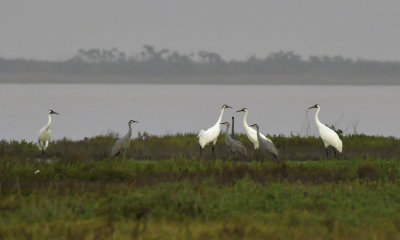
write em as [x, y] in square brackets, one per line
[163, 191]
[185, 146]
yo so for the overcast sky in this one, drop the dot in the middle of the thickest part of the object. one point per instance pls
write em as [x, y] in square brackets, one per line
[56, 29]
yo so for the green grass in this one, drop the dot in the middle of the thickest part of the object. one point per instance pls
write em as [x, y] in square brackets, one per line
[162, 191]
[146, 147]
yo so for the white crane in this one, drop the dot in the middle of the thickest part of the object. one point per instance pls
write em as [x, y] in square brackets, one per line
[45, 134]
[251, 132]
[211, 134]
[328, 136]
[122, 144]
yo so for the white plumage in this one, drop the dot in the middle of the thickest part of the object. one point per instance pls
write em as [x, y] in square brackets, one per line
[211, 134]
[45, 134]
[123, 143]
[251, 132]
[328, 136]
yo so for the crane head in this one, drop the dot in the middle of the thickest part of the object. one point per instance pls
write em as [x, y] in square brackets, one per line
[315, 106]
[225, 106]
[133, 121]
[53, 112]
[242, 110]
[254, 125]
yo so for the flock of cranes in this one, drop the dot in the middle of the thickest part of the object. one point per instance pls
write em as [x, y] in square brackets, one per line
[234, 146]
[260, 141]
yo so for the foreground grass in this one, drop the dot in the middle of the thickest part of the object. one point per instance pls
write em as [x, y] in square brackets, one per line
[180, 210]
[180, 199]
[86, 195]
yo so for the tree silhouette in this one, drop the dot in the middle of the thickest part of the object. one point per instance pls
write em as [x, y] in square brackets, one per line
[150, 61]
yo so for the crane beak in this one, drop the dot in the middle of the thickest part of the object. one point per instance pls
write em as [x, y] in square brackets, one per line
[241, 110]
[56, 113]
[228, 106]
[312, 107]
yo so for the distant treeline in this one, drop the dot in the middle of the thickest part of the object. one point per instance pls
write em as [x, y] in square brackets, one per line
[152, 62]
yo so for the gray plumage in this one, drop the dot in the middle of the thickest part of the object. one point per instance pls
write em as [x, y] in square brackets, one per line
[122, 144]
[266, 147]
[234, 146]
[233, 129]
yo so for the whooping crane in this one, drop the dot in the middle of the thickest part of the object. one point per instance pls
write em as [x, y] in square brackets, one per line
[122, 144]
[211, 134]
[328, 136]
[45, 134]
[251, 133]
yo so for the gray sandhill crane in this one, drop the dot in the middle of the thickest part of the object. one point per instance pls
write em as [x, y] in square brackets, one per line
[233, 129]
[234, 146]
[251, 133]
[267, 147]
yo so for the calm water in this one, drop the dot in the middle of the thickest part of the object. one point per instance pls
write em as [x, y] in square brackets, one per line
[89, 110]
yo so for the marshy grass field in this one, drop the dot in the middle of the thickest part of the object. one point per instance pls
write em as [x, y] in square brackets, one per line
[162, 190]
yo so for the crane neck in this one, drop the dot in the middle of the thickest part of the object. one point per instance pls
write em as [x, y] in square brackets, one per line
[130, 128]
[49, 122]
[227, 130]
[317, 122]
[233, 126]
[220, 116]
[245, 120]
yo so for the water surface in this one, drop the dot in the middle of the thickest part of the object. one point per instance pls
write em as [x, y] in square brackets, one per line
[89, 110]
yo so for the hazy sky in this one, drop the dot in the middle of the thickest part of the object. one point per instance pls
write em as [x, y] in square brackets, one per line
[56, 29]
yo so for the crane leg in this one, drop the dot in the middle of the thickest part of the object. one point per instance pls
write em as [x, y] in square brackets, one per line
[257, 155]
[117, 154]
[334, 150]
[201, 151]
[327, 153]
[41, 147]
[213, 151]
